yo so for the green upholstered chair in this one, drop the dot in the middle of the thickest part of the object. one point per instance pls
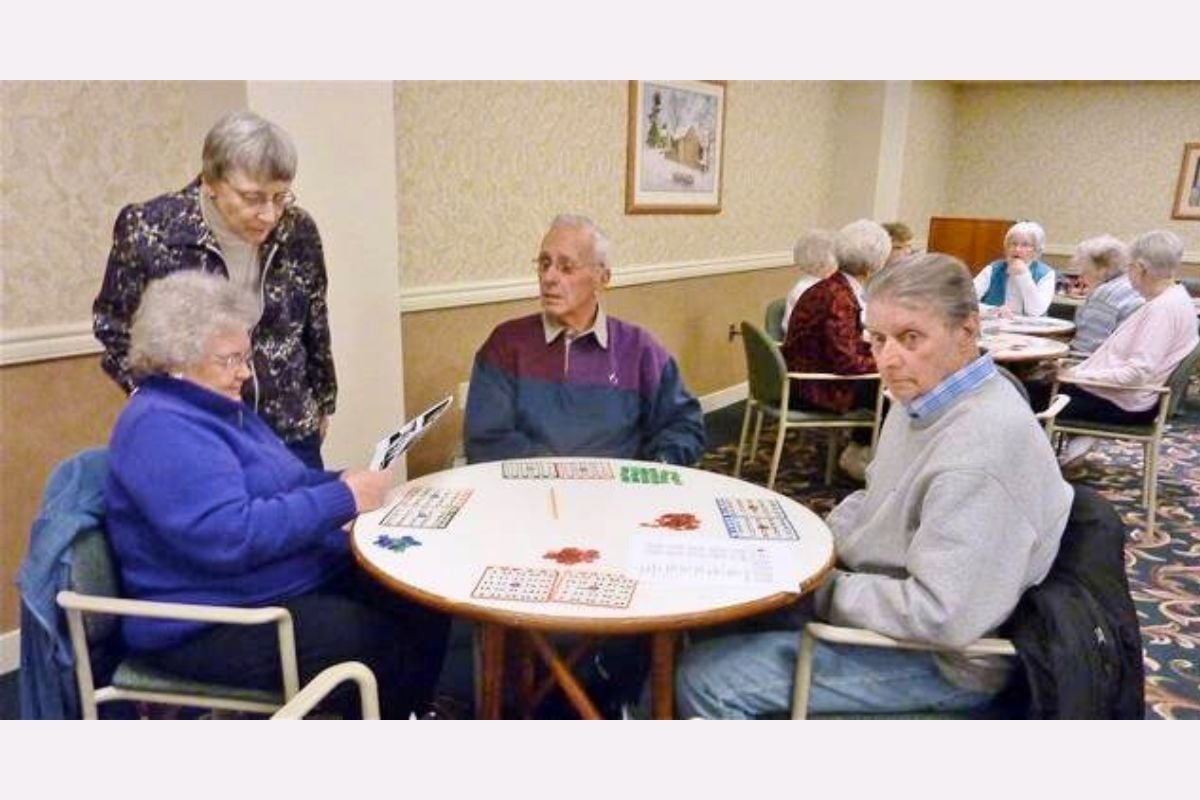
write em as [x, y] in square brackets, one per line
[773, 319]
[769, 387]
[92, 604]
[1148, 434]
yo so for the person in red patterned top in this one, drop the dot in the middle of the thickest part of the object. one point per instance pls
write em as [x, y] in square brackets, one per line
[825, 331]
[825, 334]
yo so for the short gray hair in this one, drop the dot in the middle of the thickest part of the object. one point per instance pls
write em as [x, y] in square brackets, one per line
[1160, 252]
[933, 280]
[814, 253]
[244, 140]
[1108, 255]
[861, 247]
[600, 244]
[179, 313]
[1027, 229]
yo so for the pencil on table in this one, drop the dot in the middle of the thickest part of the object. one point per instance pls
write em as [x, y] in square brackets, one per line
[553, 503]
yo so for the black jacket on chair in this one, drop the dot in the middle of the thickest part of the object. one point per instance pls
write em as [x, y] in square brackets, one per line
[1076, 633]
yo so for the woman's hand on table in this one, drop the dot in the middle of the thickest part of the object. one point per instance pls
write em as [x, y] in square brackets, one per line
[369, 487]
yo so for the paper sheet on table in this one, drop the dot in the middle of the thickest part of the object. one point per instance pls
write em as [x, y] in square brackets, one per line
[675, 558]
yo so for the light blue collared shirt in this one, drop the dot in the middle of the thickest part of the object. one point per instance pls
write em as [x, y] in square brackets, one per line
[954, 387]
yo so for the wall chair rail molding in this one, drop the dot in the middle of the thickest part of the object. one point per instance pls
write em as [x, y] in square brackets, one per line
[47, 342]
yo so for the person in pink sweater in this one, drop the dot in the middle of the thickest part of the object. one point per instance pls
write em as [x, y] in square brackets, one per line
[1142, 351]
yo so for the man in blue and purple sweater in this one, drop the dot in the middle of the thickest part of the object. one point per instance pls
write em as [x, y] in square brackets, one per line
[573, 380]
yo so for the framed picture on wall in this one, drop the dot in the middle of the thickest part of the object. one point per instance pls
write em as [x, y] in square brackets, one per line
[1187, 193]
[675, 156]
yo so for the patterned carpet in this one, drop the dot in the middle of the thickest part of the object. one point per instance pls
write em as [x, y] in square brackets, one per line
[1163, 570]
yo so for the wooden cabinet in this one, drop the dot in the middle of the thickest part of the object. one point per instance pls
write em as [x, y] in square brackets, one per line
[978, 242]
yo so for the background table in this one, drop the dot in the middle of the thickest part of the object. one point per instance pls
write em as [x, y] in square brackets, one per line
[517, 522]
[1017, 348]
[1032, 326]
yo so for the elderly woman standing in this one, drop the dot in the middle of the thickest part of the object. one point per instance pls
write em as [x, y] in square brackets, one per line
[934, 550]
[1020, 282]
[1101, 263]
[815, 260]
[825, 333]
[238, 219]
[206, 505]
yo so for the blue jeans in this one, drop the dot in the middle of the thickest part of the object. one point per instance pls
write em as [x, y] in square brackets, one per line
[751, 675]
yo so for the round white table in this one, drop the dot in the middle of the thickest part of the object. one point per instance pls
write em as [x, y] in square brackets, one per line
[592, 546]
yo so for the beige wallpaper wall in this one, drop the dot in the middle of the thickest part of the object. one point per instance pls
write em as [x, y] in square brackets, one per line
[1092, 158]
[71, 154]
[928, 146]
[484, 166]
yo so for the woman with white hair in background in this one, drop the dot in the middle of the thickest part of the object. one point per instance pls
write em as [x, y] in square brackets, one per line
[205, 504]
[1019, 283]
[815, 259]
[1101, 263]
[1143, 351]
[825, 334]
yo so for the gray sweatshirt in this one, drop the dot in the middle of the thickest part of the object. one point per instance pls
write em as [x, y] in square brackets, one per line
[962, 512]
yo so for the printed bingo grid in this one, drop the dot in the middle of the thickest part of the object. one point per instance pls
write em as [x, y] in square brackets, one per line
[426, 507]
[559, 470]
[755, 518]
[535, 585]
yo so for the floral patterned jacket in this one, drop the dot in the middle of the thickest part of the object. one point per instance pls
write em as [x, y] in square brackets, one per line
[294, 383]
[825, 334]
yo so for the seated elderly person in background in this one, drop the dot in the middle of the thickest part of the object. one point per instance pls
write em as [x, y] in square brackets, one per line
[206, 504]
[1019, 283]
[573, 380]
[901, 236]
[1142, 351]
[815, 260]
[1101, 263]
[934, 550]
[825, 334]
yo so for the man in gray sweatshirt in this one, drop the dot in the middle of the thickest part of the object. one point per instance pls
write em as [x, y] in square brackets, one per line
[963, 511]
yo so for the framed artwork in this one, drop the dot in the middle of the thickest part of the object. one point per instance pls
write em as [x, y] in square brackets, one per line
[676, 137]
[1187, 193]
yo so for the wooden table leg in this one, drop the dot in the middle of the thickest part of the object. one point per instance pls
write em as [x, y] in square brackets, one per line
[662, 674]
[565, 678]
[491, 670]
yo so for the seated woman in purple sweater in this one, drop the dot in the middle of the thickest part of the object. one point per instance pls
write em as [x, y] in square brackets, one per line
[205, 504]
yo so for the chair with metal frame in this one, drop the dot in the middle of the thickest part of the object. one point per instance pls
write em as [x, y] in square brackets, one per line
[773, 319]
[1148, 434]
[92, 604]
[325, 682]
[1093, 528]
[769, 389]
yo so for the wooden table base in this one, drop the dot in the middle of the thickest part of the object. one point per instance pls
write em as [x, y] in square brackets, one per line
[492, 667]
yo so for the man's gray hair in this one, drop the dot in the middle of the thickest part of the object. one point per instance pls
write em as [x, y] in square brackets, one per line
[862, 247]
[600, 244]
[179, 313]
[1108, 255]
[1160, 252]
[814, 253]
[1027, 229]
[244, 140]
[933, 280]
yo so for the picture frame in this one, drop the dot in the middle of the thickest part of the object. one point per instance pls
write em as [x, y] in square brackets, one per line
[675, 156]
[1187, 191]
